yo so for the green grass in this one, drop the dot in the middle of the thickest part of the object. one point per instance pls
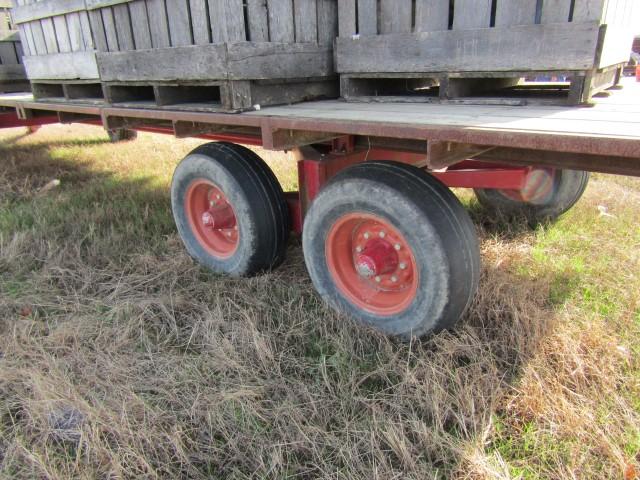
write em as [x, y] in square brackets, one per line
[177, 372]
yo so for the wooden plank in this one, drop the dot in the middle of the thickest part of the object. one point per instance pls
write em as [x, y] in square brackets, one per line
[46, 9]
[27, 38]
[49, 35]
[327, 21]
[193, 62]
[471, 14]
[515, 12]
[19, 51]
[8, 54]
[75, 32]
[158, 24]
[558, 47]
[367, 17]
[281, 21]
[305, 13]
[227, 21]
[586, 10]
[110, 29]
[99, 34]
[432, 15]
[62, 66]
[347, 18]
[395, 16]
[140, 25]
[62, 34]
[38, 37]
[555, 11]
[257, 20]
[87, 36]
[200, 22]
[179, 27]
[122, 21]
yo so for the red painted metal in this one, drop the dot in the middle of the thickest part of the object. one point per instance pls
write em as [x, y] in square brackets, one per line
[497, 178]
[372, 264]
[295, 211]
[11, 120]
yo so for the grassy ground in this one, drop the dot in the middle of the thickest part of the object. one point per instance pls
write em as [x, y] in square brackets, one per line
[120, 358]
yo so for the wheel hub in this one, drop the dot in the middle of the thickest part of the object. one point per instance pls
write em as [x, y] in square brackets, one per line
[377, 258]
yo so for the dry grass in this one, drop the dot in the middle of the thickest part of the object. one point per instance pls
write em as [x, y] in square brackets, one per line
[120, 358]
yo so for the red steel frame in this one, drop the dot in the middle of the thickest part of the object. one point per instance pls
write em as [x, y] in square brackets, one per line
[313, 173]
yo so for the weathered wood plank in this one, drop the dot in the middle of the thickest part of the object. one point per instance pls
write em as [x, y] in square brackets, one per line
[395, 16]
[49, 35]
[305, 12]
[179, 27]
[586, 10]
[515, 12]
[48, 9]
[99, 35]
[200, 22]
[432, 15]
[38, 37]
[257, 20]
[558, 47]
[471, 14]
[75, 32]
[8, 53]
[123, 27]
[62, 66]
[140, 25]
[555, 11]
[347, 18]
[110, 29]
[227, 21]
[327, 21]
[87, 36]
[62, 34]
[367, 17]
[27, 38]
[281, 21]
[158, 23]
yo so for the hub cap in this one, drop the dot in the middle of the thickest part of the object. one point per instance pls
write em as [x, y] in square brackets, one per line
[372, 264]
[212, 218]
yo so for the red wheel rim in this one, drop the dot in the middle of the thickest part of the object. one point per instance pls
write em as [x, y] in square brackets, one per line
[372, 264]
[212, 218]
[538, 189]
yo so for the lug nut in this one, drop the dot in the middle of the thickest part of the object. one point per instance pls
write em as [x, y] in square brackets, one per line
[358, 249]
[382, 234]
[366, 235]
[218, 197]
[403, 266]
[378, 279]
[397, 246]
[394, 279]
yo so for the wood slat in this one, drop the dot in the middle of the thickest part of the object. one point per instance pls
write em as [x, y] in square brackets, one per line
[257, 20]
[327, 21]
[27, 38]
[200, 22]
[305, 13]
[368, 17]
[46, 9]
[555, 11]
[432, 15]
[75, 32]
[123, 27]
[471, 14]
[38, 37]
[8, 54]
[158, 24]
[347, 18]
[87, 36]
[395, 16]
[179, 27]
[515, 12]
[110, 29]
[62, 34]
[49, 35]
[586, 10]
[99, 34]
[235, 20]
[140, 25]
[281, 21]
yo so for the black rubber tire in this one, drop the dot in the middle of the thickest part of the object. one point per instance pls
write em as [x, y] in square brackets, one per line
[257, 199]
[568, 188]
[433, 222]
[122, 135]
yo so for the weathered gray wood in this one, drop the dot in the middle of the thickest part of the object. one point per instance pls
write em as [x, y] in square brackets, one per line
[586, 10]
[200, 22]
[49, 35]
[110, 29]
[327, 21]
[62, 66]
[95, 4]
[471, 14]
[395, 16]
[62, 34]
[122, 22]
[87, 36]
[19, 51]
[558, 47]
[555, 11]
[227, 21]
[75, 32]
[12, 73]
[347, 18]
[281, 21]
[179, 27]
[38, 37]
[158, 24]
[258, 24]
[47, 9]
[8, 54]
[432, 15]
[306, 20]
[515, 12]
[27, 38]
[99, 35]
[140, 25]
[367, 17]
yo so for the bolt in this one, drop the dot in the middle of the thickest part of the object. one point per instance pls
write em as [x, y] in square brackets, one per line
[366, 236]
[212, 203]
[218, 197]
[394, 279]
[358, 249]
[228, 234]
[382, 234]
[403, 266]
[397, 246]
[378, 279]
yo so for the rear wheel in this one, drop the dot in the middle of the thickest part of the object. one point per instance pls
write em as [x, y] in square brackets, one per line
[548, 193]
[392, 247]
[230, 210]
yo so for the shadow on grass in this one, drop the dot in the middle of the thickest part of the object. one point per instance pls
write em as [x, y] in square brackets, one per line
[253, 369]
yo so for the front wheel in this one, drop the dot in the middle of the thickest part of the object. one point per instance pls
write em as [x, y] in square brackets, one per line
[547, 194]
[392, 247]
